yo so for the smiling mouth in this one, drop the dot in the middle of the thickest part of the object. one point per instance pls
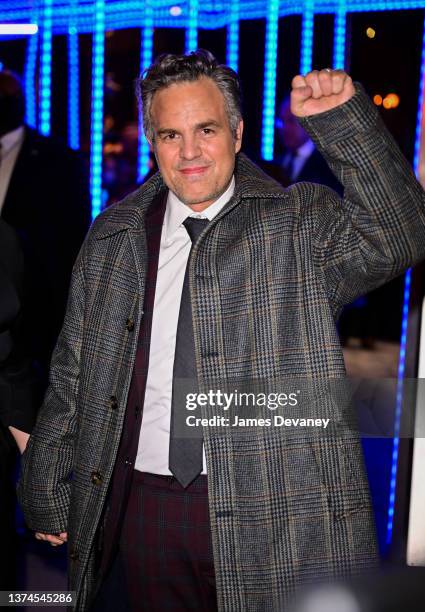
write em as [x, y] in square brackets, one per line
[193, 171]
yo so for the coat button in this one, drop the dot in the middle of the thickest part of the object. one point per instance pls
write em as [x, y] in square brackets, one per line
[73, 555]
[112, 402]
[129, 325]
[96, 478]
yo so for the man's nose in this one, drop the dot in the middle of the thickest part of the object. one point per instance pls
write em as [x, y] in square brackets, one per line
[190, 147]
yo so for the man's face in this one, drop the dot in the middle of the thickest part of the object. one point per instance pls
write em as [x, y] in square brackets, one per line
[194, 146]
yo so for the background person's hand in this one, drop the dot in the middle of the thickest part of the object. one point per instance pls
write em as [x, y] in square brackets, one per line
[53, 539]
[319, 91]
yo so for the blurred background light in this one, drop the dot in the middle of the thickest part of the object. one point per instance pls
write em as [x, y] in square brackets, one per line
[391, 100]
[18, 28]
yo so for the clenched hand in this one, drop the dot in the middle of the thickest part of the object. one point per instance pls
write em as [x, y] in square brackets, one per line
[319, 91]
[55, 540]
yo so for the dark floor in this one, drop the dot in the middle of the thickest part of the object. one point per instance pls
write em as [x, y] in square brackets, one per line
[40, 567]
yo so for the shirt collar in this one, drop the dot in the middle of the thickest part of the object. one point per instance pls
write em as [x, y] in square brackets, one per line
[12, 139]
[176, 212]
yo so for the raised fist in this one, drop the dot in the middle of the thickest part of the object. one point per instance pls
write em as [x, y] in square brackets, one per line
[319, 91]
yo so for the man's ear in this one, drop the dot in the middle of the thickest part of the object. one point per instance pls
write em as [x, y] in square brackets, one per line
[238, 139]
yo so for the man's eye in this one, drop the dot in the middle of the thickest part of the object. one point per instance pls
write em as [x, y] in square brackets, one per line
[169, 136]
[207, 131]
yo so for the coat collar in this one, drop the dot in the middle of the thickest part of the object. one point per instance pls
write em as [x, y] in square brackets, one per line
[251, 183]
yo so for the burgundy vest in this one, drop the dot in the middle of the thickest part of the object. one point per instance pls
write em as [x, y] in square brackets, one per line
[117, 499]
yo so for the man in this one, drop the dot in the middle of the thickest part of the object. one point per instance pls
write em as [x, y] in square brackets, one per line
[18, 395]
[44, 196]
[300, 159]
[230, 522]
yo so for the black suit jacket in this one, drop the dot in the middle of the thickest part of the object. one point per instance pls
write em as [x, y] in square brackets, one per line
[19, 391]
[48, 205]
[315, 170]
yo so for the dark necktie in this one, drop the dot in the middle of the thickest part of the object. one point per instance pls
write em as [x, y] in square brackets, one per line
[185, 457]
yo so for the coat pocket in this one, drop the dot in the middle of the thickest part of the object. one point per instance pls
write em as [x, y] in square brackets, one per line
[341, 467]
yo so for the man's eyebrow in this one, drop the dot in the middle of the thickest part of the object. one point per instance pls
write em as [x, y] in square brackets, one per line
[204, 124]
[198, 126]
[162, 131]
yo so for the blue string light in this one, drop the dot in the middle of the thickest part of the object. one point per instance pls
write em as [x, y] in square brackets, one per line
[398, 408]
[406, 299]
[73, 80]
[192, 26]
[126, 14]
[44, 116]
[97, 107]
[146, 56]
[307, 37]
[339, 36]
[269, 95]
[232, 42]
[29, 78]
[418, 132]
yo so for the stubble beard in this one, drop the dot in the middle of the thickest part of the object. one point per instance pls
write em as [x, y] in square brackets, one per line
[211, 197]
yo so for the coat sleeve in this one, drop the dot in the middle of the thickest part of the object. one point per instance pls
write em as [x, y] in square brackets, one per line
[378, 229]
[45, 481]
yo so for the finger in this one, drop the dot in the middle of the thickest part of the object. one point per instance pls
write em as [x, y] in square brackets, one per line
[47, 537]
[54, 540]
[312, 79]
[298, 81]
[326, 81]
[55, 543]
[339, 81]
[299, 95]
[61, 537]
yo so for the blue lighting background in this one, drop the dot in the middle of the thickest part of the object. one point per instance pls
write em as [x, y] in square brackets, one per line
[77, 18]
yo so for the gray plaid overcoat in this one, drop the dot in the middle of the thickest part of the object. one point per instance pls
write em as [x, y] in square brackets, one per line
[268, 278]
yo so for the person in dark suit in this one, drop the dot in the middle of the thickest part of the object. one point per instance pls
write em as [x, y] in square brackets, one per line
[301, 161]
[44, 196]
[19, 394]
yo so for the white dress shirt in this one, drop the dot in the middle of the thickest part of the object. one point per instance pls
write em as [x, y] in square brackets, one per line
[154, 440]
[11, 144]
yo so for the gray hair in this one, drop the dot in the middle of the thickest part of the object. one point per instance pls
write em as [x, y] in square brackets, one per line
[169, 69]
